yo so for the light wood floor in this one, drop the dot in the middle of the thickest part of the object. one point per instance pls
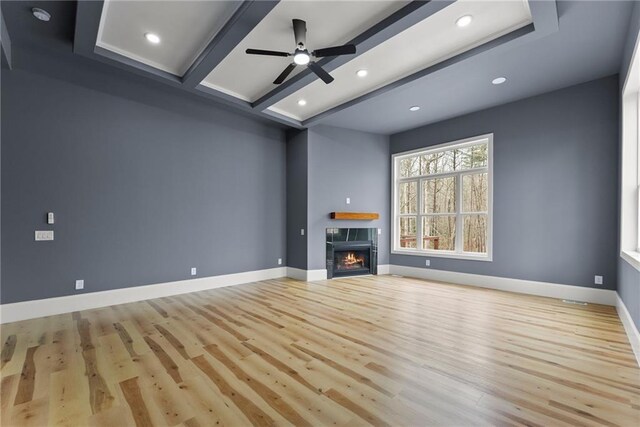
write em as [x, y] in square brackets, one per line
[376, 350]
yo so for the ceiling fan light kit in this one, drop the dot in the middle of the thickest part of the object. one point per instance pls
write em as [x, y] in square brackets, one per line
[302, 56]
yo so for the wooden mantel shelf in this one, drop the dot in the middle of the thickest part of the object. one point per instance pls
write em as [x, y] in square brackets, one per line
[355, 215]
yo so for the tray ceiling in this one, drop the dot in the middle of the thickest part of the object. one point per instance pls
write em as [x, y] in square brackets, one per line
[184, 27]
[429, 42]
[329, 23]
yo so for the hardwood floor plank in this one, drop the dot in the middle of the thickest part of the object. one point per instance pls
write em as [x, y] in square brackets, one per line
[136, 403]
[8, 348]
[27, 378]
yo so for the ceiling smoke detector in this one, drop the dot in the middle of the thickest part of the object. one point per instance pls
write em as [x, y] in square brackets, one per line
[41, 14]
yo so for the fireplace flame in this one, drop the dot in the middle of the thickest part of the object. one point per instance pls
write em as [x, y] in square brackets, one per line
[352, 261]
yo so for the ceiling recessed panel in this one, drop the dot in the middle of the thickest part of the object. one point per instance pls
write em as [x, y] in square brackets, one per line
[184, 28]
[427, 43]
[329, 23]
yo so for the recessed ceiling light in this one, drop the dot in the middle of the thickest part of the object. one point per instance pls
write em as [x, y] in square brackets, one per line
[463, 21]
[362, 73]
[302, 102]
[152, 38]
[499, 80]
[414, 108]
[41, 14]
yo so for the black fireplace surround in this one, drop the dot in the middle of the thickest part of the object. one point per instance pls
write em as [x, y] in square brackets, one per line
[351, 251]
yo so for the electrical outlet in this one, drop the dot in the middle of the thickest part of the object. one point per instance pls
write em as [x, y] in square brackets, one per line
[597, 280]
[348, 200]
[302, 231]
[42, 235]
[379, 231]
[79, 284]
[194, 271]
[427, 263]
[279, 261]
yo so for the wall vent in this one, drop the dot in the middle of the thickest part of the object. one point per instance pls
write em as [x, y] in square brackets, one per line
[570, 301]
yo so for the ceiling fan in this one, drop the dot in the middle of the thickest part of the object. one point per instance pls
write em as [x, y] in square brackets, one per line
[302, 56]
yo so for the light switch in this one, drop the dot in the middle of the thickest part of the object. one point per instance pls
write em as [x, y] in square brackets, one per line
[348, 200]
[50, 219]
[42, 235]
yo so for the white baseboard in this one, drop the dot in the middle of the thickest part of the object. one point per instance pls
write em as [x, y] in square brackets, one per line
[306, 275]
[383, 268]
[58, 305]
[552, 290]
[629, 327]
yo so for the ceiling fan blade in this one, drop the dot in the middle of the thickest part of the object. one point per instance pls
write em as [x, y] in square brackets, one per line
[266, 52]
[347, 49]
[284, 74]
[320, 72]
[300, 31]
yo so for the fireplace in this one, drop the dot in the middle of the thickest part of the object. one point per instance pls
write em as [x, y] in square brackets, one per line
[351, 251]
[351, 258]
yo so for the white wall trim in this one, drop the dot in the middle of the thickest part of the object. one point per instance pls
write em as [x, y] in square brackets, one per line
[306, 275]
[631, 257]
[66, 304]
[552, 290]
[629, 327]
[383, 268]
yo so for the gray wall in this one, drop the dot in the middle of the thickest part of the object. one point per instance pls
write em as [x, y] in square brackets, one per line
[297, 197]
[629, 277]
[345, 163]
[142, 191]
[632, 36]
[555, 175]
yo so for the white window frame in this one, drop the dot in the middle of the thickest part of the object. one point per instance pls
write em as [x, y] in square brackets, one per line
[630, 159]
[396, 180]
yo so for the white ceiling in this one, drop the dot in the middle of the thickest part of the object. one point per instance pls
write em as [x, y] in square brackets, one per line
[432, 40]
[329, 23]
[185, 28]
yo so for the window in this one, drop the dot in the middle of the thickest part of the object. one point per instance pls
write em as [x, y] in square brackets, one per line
[442, 200]
[630, 165]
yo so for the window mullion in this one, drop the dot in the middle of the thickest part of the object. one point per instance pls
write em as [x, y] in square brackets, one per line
[459, 223]
[419, 240]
